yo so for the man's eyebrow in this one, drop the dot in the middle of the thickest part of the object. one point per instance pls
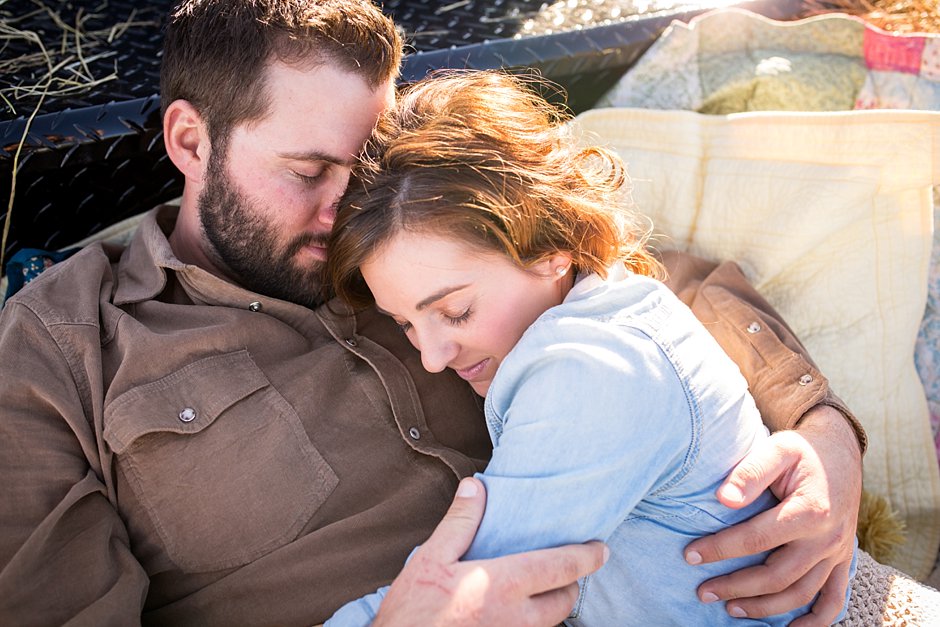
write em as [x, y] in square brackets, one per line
[316, 155]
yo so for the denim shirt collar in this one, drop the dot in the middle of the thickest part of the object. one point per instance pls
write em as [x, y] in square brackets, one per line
[585, 284]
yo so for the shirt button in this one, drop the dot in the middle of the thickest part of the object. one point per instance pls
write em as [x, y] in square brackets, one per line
[806, 379]
[754, 327]
[351, 341]
[187, 414]
[414, 433]
[255, 306]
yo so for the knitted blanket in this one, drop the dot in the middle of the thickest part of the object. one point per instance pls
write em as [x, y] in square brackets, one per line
[882, 595]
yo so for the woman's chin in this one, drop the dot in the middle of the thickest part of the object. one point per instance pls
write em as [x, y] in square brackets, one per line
[480, 387]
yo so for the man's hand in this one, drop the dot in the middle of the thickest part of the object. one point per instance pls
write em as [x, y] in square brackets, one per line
[816, 473]
[435, 589]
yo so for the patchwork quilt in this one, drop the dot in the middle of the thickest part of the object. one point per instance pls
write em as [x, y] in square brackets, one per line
[731, 61]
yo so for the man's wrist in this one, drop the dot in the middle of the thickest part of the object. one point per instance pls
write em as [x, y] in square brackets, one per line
[834, 416]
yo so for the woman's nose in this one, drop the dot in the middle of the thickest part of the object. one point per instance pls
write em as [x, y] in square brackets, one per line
[437, 352]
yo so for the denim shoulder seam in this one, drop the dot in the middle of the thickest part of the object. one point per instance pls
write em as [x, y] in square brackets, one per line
[695, 419]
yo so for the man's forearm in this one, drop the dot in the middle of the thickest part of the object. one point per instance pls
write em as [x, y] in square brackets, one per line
[837, 422]
[781, 375]
[829, 423]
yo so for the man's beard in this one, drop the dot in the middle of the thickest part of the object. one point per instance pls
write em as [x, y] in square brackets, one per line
[247, 245]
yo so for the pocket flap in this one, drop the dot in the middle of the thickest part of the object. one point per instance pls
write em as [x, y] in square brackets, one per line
[186, 401]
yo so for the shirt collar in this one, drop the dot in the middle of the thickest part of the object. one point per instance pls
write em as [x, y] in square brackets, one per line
[584, 284]
[142, 276]
[143, 266]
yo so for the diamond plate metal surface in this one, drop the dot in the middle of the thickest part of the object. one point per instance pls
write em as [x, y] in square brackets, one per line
[94, 157]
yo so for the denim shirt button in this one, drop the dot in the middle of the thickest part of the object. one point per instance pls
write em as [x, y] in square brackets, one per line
[254, 306]
[187, 414]
[351, 341]
[754, 327]
[806, 379]
[414, 433]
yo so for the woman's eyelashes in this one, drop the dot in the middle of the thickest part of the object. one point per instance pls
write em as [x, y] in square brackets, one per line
[456, 320]
[460, 319]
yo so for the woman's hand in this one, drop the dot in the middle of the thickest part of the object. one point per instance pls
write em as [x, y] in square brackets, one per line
[816, 473]
[436, 589]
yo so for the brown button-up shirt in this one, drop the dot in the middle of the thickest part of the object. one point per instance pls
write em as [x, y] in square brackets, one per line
[178, 450]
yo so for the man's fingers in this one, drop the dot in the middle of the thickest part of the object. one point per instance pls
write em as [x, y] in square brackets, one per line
[549, 577]
[831, 599]
[782, 570]
[764, 532]
[759, 469]
[796, 595]
[537, 572]
[551, 608]
[455, 532]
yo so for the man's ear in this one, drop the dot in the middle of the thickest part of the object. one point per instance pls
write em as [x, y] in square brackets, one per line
[187, 139]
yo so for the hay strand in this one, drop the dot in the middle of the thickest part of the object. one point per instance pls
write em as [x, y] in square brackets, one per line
[77, 44]
[16, 161]
[62, 67]
[898, 16]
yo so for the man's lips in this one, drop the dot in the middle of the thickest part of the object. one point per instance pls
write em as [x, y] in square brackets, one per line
[474, 371]
[316, 249]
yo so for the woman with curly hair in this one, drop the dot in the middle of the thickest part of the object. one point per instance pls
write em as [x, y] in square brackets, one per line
[506, 251]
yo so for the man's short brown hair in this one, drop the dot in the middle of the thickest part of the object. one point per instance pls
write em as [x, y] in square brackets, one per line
[215, 51]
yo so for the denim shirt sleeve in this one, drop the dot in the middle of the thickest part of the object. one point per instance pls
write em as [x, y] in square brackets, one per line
[587, 418]
[360, 612]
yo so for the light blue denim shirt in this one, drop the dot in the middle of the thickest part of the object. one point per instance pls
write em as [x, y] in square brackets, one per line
[615, 418]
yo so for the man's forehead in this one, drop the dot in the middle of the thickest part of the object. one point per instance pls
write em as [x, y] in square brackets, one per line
[322, 83]
[320, 111]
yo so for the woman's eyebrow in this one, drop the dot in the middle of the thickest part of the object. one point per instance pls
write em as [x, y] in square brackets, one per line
[438, 295]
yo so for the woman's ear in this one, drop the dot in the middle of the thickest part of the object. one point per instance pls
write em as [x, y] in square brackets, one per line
[555, 267]
[186, 138]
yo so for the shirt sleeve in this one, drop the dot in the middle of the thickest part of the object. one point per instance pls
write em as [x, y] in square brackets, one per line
[782, 377]
[359, 613]
[64, 551]
[588, 429]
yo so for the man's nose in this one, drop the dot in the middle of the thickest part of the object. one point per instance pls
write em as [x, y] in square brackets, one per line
[326, 214]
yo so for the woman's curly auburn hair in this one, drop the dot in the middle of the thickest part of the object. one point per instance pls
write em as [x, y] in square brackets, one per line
[481, 157]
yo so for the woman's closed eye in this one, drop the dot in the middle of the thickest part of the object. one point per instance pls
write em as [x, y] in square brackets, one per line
[453, 320]
[459, 319]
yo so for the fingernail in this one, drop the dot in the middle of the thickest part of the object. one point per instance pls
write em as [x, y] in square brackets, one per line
[732, 493]
[737, 612]
[693, 557]
[709, 597]
[467, 489]
[606, 553]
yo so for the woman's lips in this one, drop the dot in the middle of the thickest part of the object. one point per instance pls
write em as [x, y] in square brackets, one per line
[471, 373]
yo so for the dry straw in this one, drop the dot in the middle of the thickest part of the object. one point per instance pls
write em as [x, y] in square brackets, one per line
[61, 65]
[58, 66]
[898, 16]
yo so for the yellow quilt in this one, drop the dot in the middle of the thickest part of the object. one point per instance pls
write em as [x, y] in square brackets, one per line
[830, 216]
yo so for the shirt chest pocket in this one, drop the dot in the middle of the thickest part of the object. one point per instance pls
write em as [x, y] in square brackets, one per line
[219, 460]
